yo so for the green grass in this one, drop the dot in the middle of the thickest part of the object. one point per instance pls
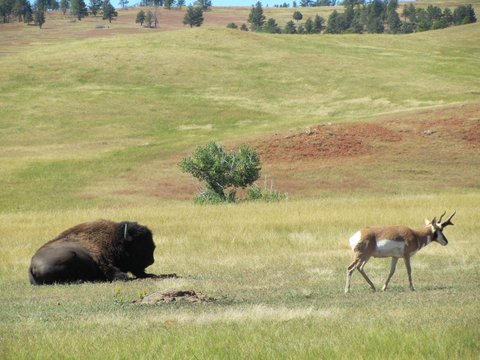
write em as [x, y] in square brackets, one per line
[277, 272]
[94, 128]
[84, 111]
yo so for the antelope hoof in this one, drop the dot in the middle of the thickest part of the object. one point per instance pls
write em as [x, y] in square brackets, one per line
[384, 288]
[412, 288]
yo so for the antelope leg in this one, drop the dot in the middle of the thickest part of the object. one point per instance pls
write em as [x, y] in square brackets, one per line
[350, 270]
[409, 272]
[365, 276]
[393, 266]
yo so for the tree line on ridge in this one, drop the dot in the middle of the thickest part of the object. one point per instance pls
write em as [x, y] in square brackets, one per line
[22, 10]
[360, 17]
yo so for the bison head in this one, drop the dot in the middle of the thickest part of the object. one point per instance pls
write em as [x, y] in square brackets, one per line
[139, 248]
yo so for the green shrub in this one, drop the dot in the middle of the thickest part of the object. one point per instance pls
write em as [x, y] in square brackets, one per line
[267, 195]
[222, 172]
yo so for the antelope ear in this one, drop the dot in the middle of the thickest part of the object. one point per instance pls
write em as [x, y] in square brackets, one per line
[427, 222]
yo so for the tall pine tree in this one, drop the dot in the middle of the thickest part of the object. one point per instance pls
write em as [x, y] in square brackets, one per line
[78, 8]
[109, 11]
[290, 28]
[39, 13]
[375, 11]
[272, 27]
[95, 6]
[64, 6]
[318, 24]
[140, 17]
[193, 16]
[256, 17]
[393, 19]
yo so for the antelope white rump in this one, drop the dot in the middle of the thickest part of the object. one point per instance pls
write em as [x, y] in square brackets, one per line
[355, 239]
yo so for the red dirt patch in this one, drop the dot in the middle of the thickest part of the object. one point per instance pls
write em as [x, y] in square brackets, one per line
[326, 141]
[473, 135]
[459, 124]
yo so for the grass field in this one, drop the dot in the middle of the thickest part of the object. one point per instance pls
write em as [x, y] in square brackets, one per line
[110, 123]
[277, 273]
[358, 130]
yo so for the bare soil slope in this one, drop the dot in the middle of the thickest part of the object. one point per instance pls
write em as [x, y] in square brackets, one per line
[409, 149]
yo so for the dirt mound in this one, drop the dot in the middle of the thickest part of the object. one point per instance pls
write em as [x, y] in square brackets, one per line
[174, 295]
[325, 141]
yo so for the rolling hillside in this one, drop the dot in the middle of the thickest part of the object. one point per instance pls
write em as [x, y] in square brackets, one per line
[107, 119]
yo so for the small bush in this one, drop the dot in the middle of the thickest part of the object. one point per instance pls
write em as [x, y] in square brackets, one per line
[221, 171]
[232, 25]
[224, 172]
[256, 194]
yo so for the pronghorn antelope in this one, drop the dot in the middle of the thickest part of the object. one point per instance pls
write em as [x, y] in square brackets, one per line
[395, 242]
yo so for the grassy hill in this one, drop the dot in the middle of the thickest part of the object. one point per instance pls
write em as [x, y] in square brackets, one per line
[102, 112]
[358, 130]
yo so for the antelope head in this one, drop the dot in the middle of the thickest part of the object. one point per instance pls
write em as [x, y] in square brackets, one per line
[438, 226]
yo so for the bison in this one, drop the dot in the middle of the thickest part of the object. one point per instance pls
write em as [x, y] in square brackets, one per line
[101, 250]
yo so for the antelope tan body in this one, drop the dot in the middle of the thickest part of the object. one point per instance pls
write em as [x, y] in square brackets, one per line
[388, 241]
[395, 242]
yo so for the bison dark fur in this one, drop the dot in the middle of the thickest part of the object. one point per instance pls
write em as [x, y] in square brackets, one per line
[95, 251]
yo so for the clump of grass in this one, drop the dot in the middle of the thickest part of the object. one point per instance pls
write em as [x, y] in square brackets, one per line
[141, 294]
[211, 197]
[255, 193]
[118, 296]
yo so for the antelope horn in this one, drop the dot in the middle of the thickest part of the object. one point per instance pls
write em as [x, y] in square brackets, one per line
[441, 216]
[448, 222]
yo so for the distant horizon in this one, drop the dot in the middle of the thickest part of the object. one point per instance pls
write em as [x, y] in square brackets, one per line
[224, 3]
[233, 3]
